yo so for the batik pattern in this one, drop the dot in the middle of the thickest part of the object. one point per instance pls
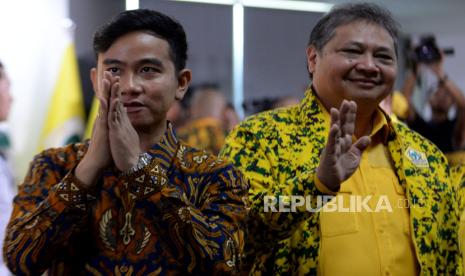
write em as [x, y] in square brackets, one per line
[181, 214]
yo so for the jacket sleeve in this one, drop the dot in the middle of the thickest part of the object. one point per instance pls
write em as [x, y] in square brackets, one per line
[458, 183]
[202, 219]
[48, 210]
[257, 160]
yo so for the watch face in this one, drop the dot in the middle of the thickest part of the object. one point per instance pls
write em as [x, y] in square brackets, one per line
[145, 157]
[144, 160]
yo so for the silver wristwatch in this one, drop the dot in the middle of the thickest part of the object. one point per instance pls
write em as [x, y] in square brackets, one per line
[144, 160]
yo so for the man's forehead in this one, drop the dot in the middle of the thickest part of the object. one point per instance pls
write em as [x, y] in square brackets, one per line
[357, 24]
[356, 33]
[137, 40]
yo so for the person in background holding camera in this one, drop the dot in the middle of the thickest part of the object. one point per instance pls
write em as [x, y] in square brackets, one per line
[447, 134]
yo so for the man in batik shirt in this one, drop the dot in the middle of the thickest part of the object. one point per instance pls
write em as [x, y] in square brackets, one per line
[394, 210]
[133, 200]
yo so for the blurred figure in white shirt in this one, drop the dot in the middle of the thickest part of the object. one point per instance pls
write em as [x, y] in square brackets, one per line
[7, 190]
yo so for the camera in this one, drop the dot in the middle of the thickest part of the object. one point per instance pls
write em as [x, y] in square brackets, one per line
[428, 51]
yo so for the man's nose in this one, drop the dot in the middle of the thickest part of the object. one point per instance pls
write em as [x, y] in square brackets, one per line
[367, 64]
[130, 84]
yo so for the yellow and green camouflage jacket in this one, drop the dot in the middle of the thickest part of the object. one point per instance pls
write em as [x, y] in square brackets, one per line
[279, 150]
[458, 181]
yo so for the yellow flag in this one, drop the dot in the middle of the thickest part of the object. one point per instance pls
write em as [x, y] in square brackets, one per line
[64, 123]
[92, 116]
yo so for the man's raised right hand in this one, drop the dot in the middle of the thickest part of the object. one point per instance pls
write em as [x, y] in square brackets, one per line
[98, 155]
[341, 157]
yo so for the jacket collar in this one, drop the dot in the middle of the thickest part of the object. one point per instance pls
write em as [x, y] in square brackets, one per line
[311, 110]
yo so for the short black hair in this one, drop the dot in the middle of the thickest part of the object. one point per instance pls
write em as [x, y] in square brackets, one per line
[1, 65]
[343, 14]
[149, 21]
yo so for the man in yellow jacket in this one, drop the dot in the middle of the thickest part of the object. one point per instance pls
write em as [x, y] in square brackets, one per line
[393, 210]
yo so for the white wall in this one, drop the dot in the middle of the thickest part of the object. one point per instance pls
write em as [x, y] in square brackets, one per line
[454, 65]
[31, 35]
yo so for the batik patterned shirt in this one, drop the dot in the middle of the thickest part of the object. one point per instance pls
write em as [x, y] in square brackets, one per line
[181, 214]
[278, 152]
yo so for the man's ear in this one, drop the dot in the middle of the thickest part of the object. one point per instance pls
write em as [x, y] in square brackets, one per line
[93, 78]
[184, 79]
[312, 58]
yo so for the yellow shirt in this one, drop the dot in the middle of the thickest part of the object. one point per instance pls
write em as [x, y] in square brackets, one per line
[399, 105]
[371, 239]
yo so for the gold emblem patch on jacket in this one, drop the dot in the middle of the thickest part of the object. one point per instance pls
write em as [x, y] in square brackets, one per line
[418, 158]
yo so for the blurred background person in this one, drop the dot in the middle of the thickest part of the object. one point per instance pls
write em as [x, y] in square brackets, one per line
[178, 114]
[205, 129]
[396, 105]
[7, 190]
[255, 106]
[446, 132]
[230, 117]
[286, 101]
